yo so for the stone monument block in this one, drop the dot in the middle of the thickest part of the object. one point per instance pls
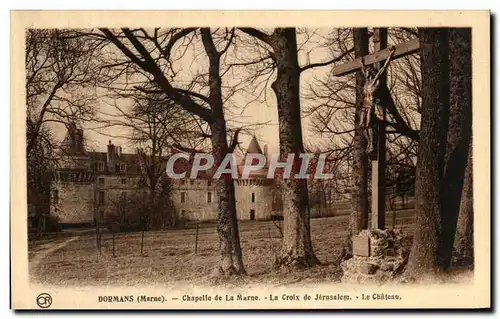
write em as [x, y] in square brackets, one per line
[361, 245]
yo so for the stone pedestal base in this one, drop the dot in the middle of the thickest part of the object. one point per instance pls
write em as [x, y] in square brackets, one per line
[385, 258]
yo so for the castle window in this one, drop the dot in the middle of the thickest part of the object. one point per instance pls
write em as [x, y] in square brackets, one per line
[191, 181]
[123, 167]
[124, 181]
[209, 182]
[124, 196]
[183, 197]
[253, 197]
[101, 180]
[183, 182]
[209, 197]
[101, 198]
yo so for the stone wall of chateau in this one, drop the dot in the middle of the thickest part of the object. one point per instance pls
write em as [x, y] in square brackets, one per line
[114, 191]
[74, 202]
[200, 200]
[262, 199]
[195, 199]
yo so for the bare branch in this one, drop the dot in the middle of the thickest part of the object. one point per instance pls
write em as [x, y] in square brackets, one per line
[258, 34]
[333, 60]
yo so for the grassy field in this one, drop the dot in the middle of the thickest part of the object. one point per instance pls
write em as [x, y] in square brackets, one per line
[169, 255]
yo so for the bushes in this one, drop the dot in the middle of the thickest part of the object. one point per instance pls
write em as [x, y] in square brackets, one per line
[141, 212]
[52, 224]
[44, 224]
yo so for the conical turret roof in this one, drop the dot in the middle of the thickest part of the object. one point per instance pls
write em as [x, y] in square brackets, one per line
[254, 147]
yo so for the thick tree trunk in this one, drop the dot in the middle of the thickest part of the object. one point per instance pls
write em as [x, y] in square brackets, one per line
[358, 218]
[464, 241]
[227, 224]
[432, 147]
[297, 250]
[459, 135]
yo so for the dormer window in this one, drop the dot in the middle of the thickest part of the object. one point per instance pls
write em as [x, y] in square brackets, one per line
[100, 166]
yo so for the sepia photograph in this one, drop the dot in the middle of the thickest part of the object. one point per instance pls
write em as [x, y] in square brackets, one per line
[218, 160]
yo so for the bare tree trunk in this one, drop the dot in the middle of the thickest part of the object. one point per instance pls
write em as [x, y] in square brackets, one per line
[358, 218]
[464, 239]
[297, 250]
[435, 104]
[459, 135]
[227, 225]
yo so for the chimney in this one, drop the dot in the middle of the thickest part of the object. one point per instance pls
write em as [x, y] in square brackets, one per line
[111, 152]
[118, 151]
[71, 127]
[79, 140]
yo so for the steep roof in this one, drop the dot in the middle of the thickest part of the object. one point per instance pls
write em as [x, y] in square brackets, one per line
[254, 147]
[73, 143]
[131, 160]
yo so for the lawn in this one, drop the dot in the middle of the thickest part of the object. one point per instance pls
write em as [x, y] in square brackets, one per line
[169, 256]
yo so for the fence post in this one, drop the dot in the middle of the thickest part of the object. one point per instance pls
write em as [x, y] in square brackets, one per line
[142, 241]
[196, 240]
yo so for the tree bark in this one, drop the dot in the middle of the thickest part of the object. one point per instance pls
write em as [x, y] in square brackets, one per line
[227, 223]
[358, 218]
[458, 138]
[431, 151]
[297, 250]
[464, 239]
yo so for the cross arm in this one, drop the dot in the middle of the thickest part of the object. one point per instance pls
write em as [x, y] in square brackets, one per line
[400, 51]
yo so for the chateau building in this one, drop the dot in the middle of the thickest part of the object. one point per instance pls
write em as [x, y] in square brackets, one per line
[88, 185]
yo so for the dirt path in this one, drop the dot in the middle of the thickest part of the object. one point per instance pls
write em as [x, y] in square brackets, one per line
[41, 254]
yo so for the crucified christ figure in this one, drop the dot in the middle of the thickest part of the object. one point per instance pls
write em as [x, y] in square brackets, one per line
[371, 104]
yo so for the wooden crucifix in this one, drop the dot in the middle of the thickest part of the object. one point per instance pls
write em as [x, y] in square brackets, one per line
[381, 55]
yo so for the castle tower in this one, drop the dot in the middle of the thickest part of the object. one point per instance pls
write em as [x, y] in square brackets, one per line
[72, 200]
[254, 195]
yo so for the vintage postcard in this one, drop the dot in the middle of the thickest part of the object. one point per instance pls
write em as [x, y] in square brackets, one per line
[250, 160]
